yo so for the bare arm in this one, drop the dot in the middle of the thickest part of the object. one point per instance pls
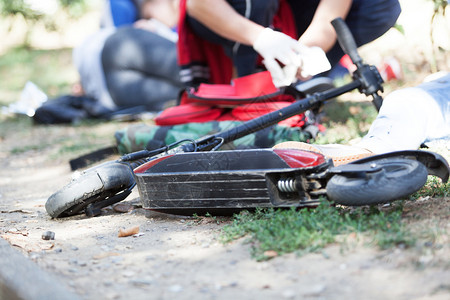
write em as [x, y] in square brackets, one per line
[320, 32]
[221, 18]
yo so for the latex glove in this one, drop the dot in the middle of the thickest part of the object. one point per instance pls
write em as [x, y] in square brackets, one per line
[313, 61]
[272, 46]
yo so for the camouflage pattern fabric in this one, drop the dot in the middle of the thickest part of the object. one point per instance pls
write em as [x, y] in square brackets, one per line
[142, 136]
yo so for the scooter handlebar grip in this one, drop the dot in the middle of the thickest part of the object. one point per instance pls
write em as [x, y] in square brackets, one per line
[346, 40]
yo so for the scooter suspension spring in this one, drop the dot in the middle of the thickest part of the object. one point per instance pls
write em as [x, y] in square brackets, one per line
[287, 185]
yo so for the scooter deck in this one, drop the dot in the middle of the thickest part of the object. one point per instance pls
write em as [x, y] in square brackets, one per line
[228, 181]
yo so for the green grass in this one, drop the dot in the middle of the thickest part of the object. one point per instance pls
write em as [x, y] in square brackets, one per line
[345, 121]
[309, 230]
[50, 70]
[433, 188]
[279, 231]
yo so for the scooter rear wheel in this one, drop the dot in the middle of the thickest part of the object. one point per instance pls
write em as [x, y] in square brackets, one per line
[397, 178]
[93, 185]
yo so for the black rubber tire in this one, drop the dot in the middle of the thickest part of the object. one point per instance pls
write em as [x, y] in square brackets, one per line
[398, 178]
[104, 180]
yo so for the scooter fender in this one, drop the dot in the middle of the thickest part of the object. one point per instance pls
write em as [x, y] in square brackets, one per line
[434, 162]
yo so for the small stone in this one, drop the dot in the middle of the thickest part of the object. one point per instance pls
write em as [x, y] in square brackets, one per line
[123, 207]
[117, 260]
[120, 248]
[315, 290]
[263, 266]
[175, 288]
[48, 235]
[34, 256]
[141, 282]
[171, 252]
[425, 259]
[82, 264]
[128, 274]
[104, 248]
[150, 257]
[288, 294]
[428, 244]
[112, 295]
[108, 283]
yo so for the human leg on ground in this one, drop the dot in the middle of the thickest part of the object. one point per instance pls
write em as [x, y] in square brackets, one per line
[141, 69]
[407, 118]
[410, 117]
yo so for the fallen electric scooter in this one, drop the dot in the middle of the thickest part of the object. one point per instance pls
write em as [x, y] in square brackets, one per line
[192, 177]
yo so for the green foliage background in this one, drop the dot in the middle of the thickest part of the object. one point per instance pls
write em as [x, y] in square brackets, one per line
[12, 8]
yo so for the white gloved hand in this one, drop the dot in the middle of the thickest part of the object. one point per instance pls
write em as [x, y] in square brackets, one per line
[273, 46]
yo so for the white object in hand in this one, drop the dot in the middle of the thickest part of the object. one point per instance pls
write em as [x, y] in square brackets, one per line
[276, 47]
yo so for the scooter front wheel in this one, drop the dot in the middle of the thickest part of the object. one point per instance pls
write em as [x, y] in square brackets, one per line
[396, 178]
[92, 186]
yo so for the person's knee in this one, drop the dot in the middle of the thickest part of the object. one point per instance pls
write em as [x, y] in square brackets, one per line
[389, 17]
[121, 49]
[110, 49]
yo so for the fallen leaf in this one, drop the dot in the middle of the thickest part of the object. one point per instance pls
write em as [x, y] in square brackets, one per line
[270, 253]
[354, 110]
[26, 244]
[128, 232]
[15, 231]
[105, 255]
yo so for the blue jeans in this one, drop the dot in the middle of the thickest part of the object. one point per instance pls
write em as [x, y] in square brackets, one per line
[141, 69]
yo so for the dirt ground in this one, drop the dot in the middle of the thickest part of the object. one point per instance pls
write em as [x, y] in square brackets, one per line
[176, 257]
